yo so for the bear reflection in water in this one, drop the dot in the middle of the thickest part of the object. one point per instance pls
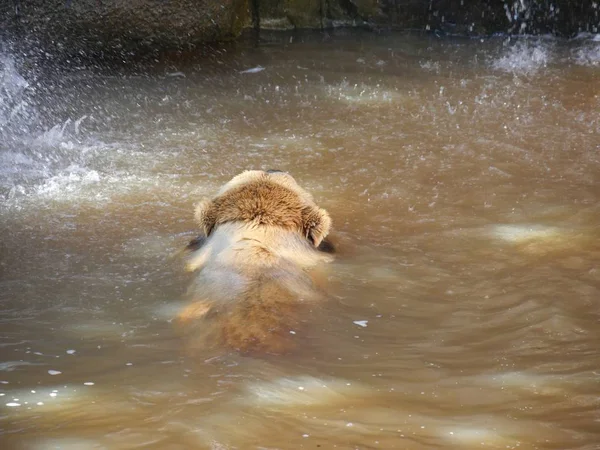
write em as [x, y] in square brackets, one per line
[257, 264]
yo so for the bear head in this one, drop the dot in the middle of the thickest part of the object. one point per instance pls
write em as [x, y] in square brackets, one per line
[265, 198]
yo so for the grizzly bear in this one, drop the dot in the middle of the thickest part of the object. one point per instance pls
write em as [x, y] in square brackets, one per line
[256, 263]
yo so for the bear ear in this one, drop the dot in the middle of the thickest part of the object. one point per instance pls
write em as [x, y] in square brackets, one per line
[316, 224]
[204, 215]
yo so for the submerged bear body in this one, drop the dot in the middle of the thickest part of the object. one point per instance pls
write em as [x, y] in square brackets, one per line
[257, 266]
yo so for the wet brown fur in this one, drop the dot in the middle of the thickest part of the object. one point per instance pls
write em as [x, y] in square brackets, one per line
[272, 230]
[265, 203]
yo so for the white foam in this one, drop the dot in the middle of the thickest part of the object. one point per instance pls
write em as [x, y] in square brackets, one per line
[525, 232]
[78, 184]
[69, 182]
[305, 390]
[54, 136]
[524, 58]
[588, 55]
[586, 35]
[49, 165]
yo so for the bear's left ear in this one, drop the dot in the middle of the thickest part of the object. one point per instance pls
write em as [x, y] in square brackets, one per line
[205, 216]
[316, 224]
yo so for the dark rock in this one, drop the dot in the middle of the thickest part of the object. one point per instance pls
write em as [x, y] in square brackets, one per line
[122, 28]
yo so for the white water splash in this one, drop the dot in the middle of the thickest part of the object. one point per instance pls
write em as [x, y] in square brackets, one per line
[524, 58]
[15, 110]
[588, 55]
[33, 161]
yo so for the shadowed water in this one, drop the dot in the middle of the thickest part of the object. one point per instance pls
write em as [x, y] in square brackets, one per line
[463, 179]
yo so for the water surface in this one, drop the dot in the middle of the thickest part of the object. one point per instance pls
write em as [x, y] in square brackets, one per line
[463, 178]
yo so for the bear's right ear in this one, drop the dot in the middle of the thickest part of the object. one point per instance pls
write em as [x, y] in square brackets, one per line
[316, 225]
[204, 215]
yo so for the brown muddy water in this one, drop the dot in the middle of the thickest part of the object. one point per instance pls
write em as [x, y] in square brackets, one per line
[463, 179]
